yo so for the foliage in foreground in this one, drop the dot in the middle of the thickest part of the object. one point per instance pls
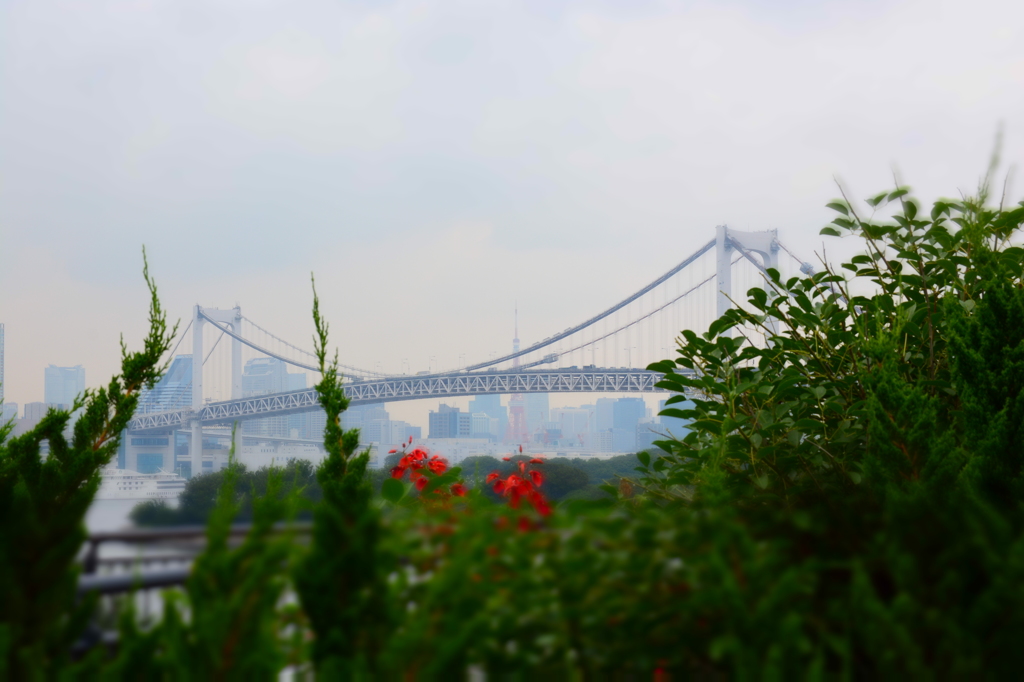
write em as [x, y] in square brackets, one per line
[855, 484]
[847, 504]
[341, 581]
[43, 501]
[227, 625]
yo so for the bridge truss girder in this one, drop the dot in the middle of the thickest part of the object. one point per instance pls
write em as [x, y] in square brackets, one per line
[393, 389]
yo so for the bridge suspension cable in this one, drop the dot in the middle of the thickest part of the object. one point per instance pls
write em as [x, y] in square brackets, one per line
[278, 338]
[270, 353]
[644, 317]
[597, 318]
[354, 370]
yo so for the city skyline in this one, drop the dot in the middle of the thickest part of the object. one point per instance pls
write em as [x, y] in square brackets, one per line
[268, 375]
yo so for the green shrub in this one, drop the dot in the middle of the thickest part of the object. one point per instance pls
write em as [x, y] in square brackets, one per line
[846, 503]
[227, 625]
[341, 579]
[43, 501]
[853, 482]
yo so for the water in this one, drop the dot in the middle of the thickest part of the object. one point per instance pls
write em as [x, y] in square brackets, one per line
[108, 515]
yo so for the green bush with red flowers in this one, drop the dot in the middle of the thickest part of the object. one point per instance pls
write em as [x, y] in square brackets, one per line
[847, 505]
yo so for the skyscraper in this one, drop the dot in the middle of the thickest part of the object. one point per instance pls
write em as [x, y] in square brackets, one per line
[263, 376]
[626, 414]
[450, 422]
[537, 410]
[603, 417]
[63, 384]
[492, 407]
[173, 391]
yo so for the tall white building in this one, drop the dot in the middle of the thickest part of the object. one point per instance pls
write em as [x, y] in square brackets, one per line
[483, 425]
[575, 423]
[173, 391]
[63, 384]
[263, 376]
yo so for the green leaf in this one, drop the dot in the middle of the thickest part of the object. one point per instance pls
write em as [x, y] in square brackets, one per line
[644, 457]
[392, 490]
[911, 208]
[874, 201]
[435, 482]
[830, 231]
[580, 507]
[896, 194]
[839, 206]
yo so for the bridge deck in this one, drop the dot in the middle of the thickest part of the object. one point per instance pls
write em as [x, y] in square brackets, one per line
[393, 389]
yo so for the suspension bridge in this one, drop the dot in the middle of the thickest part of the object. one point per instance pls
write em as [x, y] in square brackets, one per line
[691, 295]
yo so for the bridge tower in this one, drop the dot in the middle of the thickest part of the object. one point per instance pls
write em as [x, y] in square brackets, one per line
[765, 244]
[516, 433]
[233, 319]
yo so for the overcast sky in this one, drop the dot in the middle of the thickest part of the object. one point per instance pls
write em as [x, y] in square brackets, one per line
[434, 162]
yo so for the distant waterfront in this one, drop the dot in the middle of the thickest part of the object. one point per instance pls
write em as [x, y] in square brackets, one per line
[107, 515]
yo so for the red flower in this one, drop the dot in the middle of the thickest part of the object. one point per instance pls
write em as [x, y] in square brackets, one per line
[398, 472]
[517, 487]
[492, 477]
[458, 490]
[391, 452]
[410, 440]
[539, 503]
[421, 482]
[520, 449]
[505, 459]
[438, 465]
[514, 489]
[524, 524]
[535, 460]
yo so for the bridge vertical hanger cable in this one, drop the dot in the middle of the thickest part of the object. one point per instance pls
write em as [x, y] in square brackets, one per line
[628, 325]
[621, 304]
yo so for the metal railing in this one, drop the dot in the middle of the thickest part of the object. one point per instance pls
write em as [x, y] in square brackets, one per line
[138, 564]
[175, 546]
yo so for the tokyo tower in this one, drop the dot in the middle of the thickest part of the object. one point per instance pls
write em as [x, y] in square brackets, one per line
[517, 432]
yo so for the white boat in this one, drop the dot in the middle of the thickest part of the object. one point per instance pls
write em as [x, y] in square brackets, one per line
[125, 484]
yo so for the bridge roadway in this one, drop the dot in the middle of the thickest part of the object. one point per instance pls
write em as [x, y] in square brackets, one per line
[393, 389]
